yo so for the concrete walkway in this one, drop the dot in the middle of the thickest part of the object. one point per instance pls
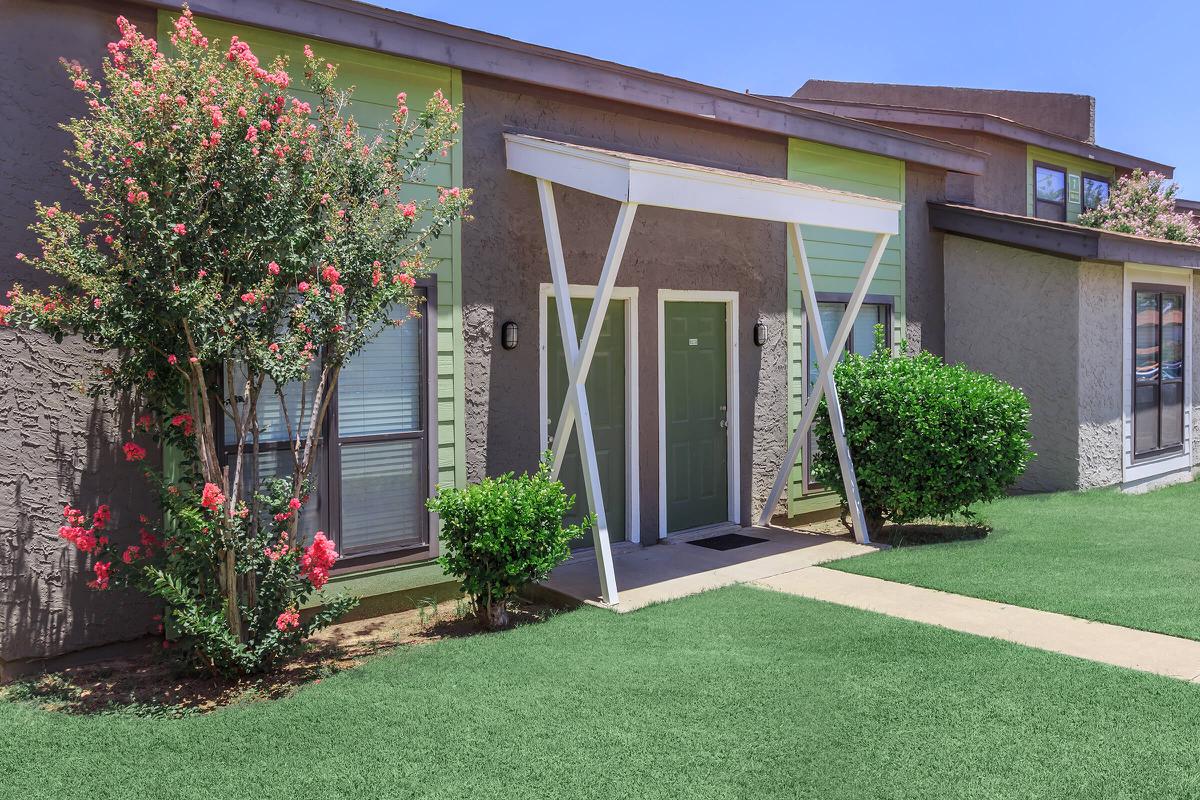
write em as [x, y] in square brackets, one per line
[677, 568]
[1058, 633]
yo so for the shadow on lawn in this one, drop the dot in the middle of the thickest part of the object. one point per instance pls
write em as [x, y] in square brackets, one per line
[922, 533]
[147, 685]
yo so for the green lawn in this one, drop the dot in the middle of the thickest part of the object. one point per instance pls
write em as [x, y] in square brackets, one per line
[1133, 560]
[738, 693]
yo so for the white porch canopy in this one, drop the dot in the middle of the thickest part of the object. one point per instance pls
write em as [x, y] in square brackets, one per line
[634, 180]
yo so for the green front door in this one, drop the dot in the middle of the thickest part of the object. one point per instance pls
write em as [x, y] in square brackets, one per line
[697, 450]
[606, 404]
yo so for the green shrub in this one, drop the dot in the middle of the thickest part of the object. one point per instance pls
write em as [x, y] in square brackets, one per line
[928, 439]
[502, 533]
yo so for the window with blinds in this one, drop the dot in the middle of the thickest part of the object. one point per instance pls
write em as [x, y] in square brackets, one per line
[371, 477]
[861, 341]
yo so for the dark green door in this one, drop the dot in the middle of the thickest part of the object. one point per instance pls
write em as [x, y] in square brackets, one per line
[606, 403]
[696, 396]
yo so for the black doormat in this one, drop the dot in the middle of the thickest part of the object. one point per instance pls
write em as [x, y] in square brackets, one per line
[727, 541]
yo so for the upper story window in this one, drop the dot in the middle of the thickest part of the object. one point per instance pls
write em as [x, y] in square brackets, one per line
[1050, 185]
[1095, 192]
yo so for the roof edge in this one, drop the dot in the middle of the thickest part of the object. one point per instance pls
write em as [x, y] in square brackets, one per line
[981, 122]
[1062, 239]
[365, 26]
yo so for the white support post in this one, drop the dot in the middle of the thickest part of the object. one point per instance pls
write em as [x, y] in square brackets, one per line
[827, 358]
[579, 359]
[578, 367]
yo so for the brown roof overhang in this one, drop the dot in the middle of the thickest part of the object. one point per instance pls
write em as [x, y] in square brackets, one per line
[1063, 239]
[370, 27]
[978, 122]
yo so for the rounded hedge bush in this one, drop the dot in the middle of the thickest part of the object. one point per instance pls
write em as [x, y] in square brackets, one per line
[928, 439]
[502, 533]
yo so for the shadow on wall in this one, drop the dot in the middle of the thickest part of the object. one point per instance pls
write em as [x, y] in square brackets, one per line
[60, 447]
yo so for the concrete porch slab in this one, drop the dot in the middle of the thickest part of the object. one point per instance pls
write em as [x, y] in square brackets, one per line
[676, 568]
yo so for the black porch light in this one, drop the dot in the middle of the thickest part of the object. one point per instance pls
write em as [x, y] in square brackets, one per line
[760, 333]
[508, 335]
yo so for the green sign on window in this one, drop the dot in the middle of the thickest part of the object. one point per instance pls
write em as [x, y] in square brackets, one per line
[1073, 188]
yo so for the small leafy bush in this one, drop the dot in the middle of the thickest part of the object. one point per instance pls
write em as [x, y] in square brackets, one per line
[502, 533]
[928, 439]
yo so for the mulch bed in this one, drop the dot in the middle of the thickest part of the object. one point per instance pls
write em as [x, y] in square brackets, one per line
[146, 684]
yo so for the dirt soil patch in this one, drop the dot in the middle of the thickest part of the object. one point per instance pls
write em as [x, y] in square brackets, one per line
[146, 684]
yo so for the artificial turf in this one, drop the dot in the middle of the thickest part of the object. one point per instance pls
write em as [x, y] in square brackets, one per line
[1131, 560]
[737, 693]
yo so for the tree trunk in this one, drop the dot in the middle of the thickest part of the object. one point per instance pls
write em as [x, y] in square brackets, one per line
[229, 582]
[492, 614]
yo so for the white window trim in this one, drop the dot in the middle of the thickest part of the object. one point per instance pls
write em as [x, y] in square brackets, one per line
[732, 386]
[629, 296]
[1134, 473]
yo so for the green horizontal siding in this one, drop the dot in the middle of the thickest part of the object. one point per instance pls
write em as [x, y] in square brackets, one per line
[376, 79]
[837, 258]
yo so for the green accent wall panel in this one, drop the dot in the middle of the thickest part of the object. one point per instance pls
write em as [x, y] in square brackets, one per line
[837, 259]
[1075, 168]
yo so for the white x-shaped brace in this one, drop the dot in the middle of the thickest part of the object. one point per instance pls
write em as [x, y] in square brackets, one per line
[578, 355]
[827, 357]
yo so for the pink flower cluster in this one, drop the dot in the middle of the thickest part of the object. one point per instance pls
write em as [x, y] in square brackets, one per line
[212, 497]
[318, 558]
[183, 421]
[89, 539]
[288, 621]
[101, 570]
[240, 52]
[134, 452]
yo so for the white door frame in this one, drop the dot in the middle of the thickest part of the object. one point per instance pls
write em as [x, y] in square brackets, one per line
[1137, 471]
[629, 296]
[732, 388]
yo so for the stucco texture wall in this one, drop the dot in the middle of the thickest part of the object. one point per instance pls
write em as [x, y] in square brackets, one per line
[505, 260]
[1002, 186]
[56, 444]
[924, 302]
[1015, 314]
[1101, 292]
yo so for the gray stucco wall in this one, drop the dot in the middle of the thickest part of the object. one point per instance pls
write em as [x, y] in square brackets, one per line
[58, 445]
[1101, 293]
[504, 261]
[1015, 314]
[924, 302]
[1002, 186]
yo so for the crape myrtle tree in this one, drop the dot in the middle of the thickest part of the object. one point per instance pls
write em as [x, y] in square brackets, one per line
[1143, 204]
[235, 246]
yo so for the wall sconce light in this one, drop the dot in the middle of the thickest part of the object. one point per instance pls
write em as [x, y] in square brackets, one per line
[508, 335]
[760, 333]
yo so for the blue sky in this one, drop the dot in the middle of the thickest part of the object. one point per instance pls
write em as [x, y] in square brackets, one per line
[1139, 60]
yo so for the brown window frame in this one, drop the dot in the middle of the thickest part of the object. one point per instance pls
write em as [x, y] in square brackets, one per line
[1160, 289]
[1036, 199]
[1083, 179]
[329, 458]
[885, 300]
